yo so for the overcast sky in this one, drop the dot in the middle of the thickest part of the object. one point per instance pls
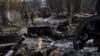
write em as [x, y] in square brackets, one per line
[28, 0]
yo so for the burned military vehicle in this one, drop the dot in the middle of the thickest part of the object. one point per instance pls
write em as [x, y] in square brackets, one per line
[86, 40]
[44, 12]
[88, 30]
[10, 41]
[45, 31]
[6, 42]
[49, 41]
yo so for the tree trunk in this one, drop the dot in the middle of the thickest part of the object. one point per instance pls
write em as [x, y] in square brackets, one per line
[77, 6]
[4, 12]
[5, 20]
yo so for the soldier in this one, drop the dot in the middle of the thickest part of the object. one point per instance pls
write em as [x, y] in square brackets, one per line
[97, 7]
[32, 16]
[26, 17]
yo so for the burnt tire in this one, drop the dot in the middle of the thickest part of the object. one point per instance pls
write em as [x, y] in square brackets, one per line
[77, 42]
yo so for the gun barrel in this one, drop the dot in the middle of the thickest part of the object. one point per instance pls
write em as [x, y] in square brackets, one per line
[10, 53]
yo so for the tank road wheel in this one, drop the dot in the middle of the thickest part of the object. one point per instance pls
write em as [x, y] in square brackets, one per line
[89, 29]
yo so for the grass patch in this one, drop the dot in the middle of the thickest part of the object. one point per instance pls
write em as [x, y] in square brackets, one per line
[18, 22]
[8, 29]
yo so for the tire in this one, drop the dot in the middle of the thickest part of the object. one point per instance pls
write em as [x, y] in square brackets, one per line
[79, 30]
